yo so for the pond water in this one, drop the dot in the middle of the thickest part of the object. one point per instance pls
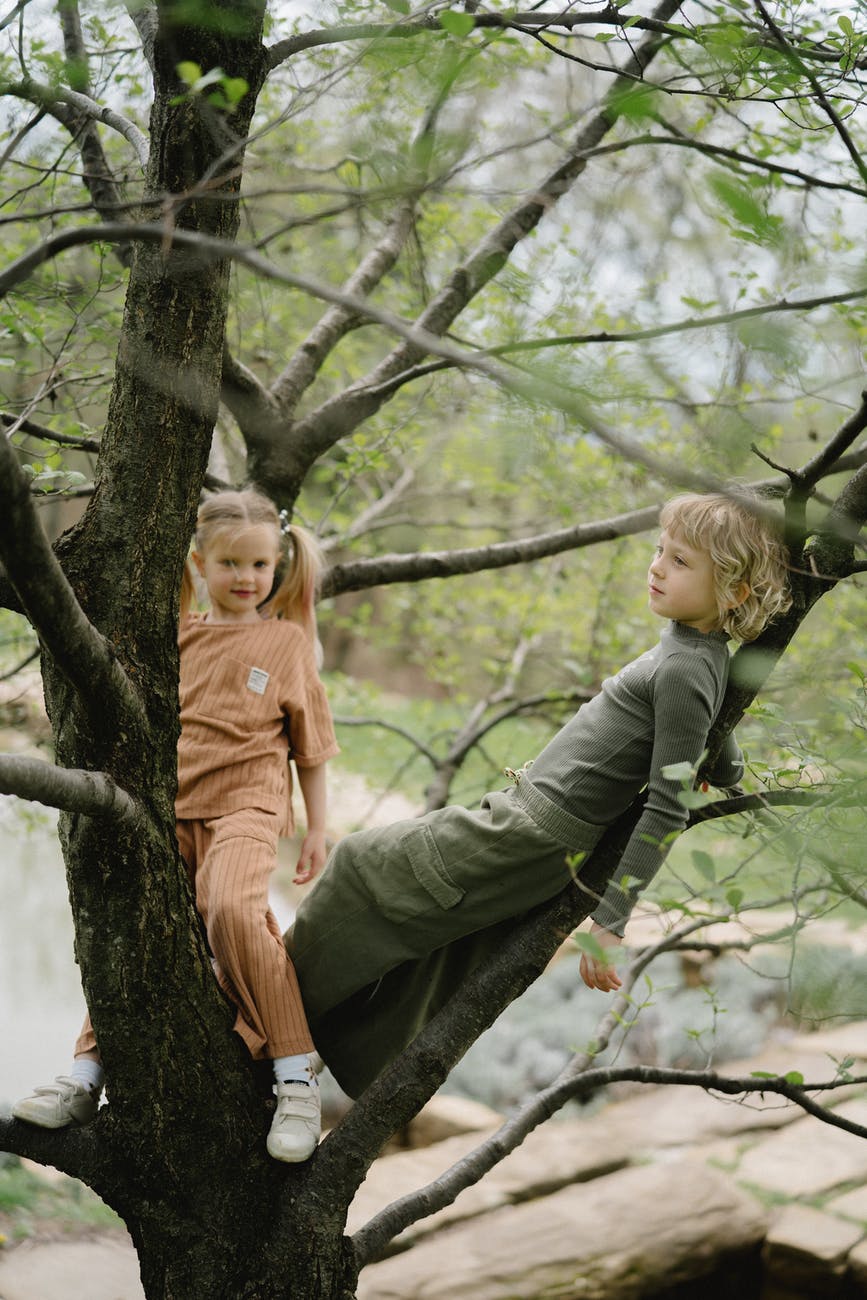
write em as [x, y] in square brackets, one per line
[41, 1004]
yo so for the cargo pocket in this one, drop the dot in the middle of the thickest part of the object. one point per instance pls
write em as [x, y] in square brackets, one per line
[428, 866]
[402, 894]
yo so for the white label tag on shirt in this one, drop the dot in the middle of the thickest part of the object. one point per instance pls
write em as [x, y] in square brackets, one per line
[257, 681]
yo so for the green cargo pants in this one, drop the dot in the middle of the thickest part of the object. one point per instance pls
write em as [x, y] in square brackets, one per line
[402, 913]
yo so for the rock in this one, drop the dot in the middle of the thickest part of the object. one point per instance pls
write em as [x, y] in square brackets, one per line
[809, 1157]
[805, 1253]
[857, 1269]
[682, 1114]
[554, 1155]
[445, 1117]
[620, 1237]
[851, 1205]
[837, 1044]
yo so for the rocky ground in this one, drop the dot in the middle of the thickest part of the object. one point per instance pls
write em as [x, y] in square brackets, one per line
[659, 1190]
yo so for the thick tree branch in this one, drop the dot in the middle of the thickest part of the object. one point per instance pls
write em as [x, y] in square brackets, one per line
[385, 569]
[530, 22]
[34, 430]
[338, 320]
[80, 651]
[94, 794]
[74, 1151]
[370, 1240]
[734, 804]
[825, 561]
[145, 18]
[566, 19]
[829, 457]
[97, 174]
[56, 100]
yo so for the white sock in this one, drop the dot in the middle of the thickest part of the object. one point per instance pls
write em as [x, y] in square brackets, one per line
[88, 1073]
[293, 1069]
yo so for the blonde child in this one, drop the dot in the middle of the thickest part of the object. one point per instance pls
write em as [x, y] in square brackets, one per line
[250, 698]
[402, 913]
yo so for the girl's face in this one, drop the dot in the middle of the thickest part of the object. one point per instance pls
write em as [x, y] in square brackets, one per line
[681, 584]
[238, 569]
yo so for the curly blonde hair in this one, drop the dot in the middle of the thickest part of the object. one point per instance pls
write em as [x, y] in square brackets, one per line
[299, 557]
[745, 547]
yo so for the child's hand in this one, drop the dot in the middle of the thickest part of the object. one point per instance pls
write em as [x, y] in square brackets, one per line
[312, 857]
[599, 973]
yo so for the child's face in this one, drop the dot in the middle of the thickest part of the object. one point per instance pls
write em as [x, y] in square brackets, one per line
[238, 569]
[681, 584]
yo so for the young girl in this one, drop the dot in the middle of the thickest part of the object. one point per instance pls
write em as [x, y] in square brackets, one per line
[250, 698]
[402, 913]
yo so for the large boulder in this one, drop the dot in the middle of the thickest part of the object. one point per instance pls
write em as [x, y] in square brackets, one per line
[620, 1237]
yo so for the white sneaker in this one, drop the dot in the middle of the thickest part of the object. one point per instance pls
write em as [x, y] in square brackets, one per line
[57, 1104]
[297, 1122]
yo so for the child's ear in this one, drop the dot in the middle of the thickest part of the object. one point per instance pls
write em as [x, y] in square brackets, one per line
[741, 591]
[199, 562]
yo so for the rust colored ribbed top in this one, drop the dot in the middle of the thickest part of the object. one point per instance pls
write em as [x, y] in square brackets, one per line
[250, 699]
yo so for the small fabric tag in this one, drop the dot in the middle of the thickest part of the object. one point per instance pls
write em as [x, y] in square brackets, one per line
[257, 681]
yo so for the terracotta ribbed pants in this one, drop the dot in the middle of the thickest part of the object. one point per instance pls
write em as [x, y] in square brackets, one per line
[231, 860]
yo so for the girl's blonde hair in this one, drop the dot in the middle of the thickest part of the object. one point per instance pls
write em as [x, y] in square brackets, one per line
[745, 547]
[299, 564]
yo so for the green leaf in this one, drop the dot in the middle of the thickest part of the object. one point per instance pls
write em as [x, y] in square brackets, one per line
[845, 25]
[696, 798]
[795, 1077]
[189, 73]
[757, 224]
[678, 772]
[234, 88]
[763, 1074]
[635, 102]
[590, 944]
[737, 199]
[457, 24]
[397, 6]
[734, 898]
[703, 864]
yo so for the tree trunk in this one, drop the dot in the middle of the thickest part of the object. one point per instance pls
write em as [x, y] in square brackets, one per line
[184, 1105]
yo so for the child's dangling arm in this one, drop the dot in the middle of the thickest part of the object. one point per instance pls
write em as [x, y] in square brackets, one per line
[313, 853]
[598, 972]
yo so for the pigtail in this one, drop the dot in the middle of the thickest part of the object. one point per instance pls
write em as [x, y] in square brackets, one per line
[295, 596]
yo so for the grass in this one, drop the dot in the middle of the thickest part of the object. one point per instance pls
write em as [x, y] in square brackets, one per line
[39, 1204]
